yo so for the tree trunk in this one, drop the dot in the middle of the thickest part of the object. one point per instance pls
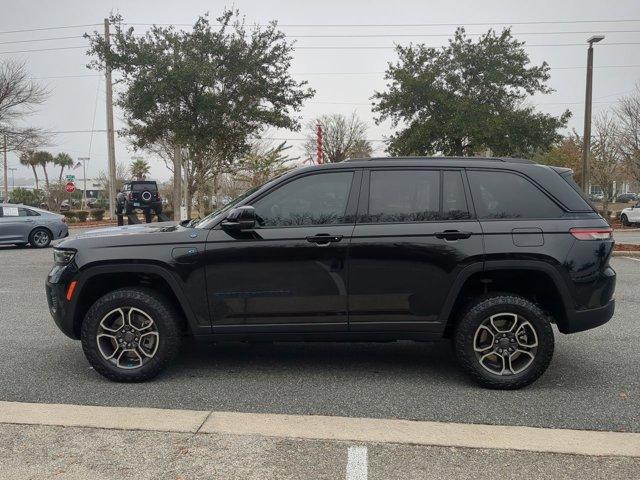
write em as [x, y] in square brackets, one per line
[46, 176]
[35, 174]
[61, 171]
[177, 183]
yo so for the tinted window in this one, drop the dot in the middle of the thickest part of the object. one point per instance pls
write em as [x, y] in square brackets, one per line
[507, 195]
[14, 212]
[404, 196]
[312, 200]
[454, 201]
[141, 187]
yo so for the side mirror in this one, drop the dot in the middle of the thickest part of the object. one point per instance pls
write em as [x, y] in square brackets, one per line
[240, 219]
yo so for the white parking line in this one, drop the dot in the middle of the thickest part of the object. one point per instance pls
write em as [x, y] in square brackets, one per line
[357, 465]
[632, 258]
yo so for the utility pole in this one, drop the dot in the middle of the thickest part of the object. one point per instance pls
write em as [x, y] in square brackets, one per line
[13, 180]
[177, 183]
[586, 138]
[319, 145]
[6, 167]
[184, 214]
[111, 149]
[84, 178]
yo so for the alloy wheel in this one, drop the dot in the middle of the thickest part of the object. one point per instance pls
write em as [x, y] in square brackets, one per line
[505, 344]
[41, 238]
[127, 337]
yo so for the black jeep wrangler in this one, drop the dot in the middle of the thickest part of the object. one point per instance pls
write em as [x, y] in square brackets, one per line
[139, 195]
[489, 253]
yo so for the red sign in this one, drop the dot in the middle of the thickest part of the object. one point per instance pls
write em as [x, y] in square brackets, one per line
[71, 187]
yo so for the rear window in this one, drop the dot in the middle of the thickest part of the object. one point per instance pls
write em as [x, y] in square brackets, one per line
[141, 187]
[508, 195]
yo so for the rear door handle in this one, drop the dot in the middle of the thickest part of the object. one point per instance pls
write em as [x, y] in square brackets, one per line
[453, 235]
[324, 239]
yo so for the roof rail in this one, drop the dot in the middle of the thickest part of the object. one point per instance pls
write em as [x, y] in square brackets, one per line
[483, 159]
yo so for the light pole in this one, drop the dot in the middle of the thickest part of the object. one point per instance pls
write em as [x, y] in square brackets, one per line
[84, 161]
[586, 138]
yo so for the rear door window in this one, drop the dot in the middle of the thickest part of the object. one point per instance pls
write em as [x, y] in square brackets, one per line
[508, 195]
[454, 200]
[403, 196]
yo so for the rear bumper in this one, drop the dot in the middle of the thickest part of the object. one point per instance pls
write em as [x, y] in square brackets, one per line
[586, 319]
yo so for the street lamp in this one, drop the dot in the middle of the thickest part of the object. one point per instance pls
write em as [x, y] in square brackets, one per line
[586, 138]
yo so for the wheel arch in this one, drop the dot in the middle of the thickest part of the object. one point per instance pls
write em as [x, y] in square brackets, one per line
[99, 280]
[40, 227]
[536, 280]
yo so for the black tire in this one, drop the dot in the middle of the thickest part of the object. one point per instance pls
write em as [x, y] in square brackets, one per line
[166, 320]
[481, 310]
[40, 238]
[625, 220]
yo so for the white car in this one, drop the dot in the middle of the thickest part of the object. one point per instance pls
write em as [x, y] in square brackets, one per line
[630, 215]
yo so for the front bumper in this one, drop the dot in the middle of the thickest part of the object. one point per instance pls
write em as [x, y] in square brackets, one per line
[60, 308]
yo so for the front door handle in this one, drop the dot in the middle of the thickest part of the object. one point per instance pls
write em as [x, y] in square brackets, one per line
[453, 235]
[324, 239]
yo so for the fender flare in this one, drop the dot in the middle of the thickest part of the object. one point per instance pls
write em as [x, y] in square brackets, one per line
[88, 272]
[496, 265]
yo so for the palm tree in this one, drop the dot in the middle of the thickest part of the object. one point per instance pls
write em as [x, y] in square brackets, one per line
[42, 158]
[139, 169]
[28, 160]
[63, 160]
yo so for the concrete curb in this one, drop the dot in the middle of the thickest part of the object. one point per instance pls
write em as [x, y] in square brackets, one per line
[622, 253]
[313, 427]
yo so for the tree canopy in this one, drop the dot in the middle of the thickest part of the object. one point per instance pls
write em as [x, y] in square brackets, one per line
[207, 90]
[467, 97]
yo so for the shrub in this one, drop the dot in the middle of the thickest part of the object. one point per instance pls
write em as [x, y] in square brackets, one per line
[70, 214]
[82, 215]
[71, 219]
[98, 214]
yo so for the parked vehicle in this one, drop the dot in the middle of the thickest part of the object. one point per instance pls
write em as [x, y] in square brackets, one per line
[486, 252]
[139, 195]
[630, 215]
[22, 225]
[627, 197]
[65, 206]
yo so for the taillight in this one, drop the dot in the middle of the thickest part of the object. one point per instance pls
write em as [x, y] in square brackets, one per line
[64, 219]
[129, 196]
[592, 233]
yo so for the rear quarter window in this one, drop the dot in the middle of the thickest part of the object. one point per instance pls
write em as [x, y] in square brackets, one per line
[508, 195]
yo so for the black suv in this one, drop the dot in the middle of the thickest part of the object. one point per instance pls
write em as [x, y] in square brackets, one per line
[139, 195]
[486, 252]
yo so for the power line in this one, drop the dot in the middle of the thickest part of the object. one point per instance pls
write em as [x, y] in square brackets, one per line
[43, 49]
[40, 29]
[41, 39]
[356, 25]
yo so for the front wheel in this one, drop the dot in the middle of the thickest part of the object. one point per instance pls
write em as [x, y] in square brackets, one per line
[131, 335]
[504, 342]
[625, 220]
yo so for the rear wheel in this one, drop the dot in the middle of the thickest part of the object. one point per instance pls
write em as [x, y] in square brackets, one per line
[504, 342]
[40, 238]
[131, 335]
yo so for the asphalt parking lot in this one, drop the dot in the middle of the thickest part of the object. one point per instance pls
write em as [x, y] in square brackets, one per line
[593, 382]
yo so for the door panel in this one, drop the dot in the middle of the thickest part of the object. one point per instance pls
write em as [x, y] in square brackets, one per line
[289, 273]
[277, 280]
[400, 274]
[13, 227]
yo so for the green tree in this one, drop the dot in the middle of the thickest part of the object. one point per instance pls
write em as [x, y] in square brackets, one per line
[28, 159]
[43, 158]
[208, 90]
[63, 160]
[343, 137]
[465, 98]
[25, 197]
[139, 169]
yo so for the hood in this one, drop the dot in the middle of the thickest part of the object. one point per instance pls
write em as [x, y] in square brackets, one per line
[129, 230]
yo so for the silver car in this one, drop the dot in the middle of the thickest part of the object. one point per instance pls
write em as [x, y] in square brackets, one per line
[20, 225]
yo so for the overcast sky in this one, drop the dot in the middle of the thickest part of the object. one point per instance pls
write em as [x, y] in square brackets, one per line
[344, 79]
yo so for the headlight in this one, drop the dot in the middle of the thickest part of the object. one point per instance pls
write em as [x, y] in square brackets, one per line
[63, 257]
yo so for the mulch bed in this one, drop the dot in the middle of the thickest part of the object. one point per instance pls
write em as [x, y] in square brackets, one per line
[626, 247]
